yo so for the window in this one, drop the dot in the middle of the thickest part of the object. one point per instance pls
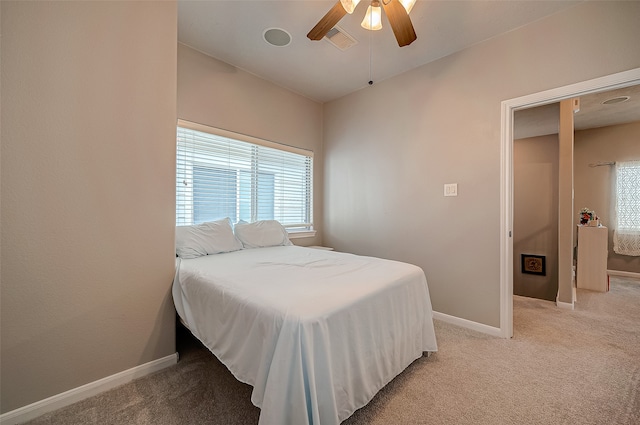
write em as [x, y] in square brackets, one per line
[626, 235]
[221, 174]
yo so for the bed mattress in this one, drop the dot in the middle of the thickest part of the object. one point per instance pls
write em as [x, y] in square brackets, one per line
[316, 333]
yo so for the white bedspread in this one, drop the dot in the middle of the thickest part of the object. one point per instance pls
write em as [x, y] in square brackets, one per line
[316, 333]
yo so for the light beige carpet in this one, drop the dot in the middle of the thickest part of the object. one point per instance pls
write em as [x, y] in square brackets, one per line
[561, 367]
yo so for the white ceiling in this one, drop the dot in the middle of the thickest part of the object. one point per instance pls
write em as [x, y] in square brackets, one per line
[232, 31]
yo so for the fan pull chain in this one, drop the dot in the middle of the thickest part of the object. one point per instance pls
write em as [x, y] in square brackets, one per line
[370, 44]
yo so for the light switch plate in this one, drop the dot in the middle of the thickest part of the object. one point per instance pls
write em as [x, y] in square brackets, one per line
[451, 189]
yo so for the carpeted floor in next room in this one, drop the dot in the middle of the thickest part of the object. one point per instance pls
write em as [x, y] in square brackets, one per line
[561, 367]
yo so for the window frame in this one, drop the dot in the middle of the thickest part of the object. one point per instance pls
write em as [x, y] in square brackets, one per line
[626, 237]
[294, 232]
[623, 173]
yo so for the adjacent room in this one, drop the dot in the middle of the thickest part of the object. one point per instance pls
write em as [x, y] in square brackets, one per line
[476, 162]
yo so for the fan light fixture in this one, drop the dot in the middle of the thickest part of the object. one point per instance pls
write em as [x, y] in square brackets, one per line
[373, 19]
[397, 12]
[408, 5]
[349, 5]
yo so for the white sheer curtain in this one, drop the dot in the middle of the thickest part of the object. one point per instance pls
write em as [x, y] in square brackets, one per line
[626, 235]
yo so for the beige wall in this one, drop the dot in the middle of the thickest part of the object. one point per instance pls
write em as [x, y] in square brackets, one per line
[88, 157]
[593, 186]
[88, 154]
[535, 213]
[219, 95]
[390, 148]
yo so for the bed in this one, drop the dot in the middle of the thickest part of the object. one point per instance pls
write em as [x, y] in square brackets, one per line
[316, 333]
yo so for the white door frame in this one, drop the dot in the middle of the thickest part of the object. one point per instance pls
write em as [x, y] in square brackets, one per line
[609, 82]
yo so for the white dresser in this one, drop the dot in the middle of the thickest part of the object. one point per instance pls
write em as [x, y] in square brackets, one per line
[591, 272]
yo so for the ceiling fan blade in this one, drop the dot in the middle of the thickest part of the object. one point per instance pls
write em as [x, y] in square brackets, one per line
[327, 22]
[400, 22]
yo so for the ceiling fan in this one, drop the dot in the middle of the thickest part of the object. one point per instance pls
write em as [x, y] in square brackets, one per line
[397, 12]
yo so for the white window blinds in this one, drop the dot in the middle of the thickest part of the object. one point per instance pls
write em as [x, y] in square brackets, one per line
[219, 176]
[626, 235]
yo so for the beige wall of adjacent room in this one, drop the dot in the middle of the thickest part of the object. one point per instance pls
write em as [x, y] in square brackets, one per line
[594, 185]
[535, 213]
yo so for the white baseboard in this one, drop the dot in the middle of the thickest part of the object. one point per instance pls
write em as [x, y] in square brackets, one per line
[464, 323]
[566, 306]
[623, 274]
[74, 395]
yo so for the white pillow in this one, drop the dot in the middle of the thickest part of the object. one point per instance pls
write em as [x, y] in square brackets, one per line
[208, 238]
[262, 234]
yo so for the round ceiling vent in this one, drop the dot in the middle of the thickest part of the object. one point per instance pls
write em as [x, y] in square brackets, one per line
[277, 37]
[615, 100]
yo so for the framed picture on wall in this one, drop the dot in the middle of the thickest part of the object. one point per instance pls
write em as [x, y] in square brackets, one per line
[534, 264]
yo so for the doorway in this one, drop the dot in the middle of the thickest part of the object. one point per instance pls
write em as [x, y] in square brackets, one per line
[508, 107]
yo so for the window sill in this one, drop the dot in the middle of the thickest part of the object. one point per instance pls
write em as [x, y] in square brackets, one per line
[302, 234]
